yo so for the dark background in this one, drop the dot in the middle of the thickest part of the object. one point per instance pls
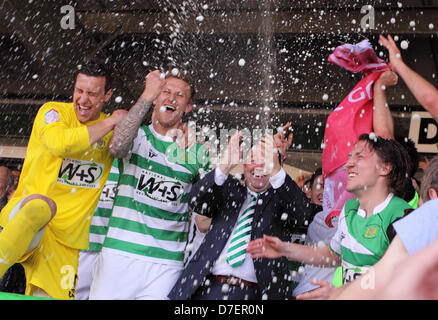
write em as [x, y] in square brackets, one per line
[285, 45]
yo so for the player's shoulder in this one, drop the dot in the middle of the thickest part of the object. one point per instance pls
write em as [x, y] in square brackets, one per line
[399, 202]
[145, 131]
[399, 207]
[351, 205]
[56, 105]
[53, 111]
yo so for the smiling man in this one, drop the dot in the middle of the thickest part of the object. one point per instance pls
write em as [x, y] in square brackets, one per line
[143, 252]
[377, 168]
[269, 201]
[46, 221]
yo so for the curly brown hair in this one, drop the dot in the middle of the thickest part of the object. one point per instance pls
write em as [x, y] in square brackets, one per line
[392, 152]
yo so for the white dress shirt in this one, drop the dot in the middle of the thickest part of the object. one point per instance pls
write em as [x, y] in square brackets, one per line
[246, 270]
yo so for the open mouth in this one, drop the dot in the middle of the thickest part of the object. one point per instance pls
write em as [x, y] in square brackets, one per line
[168, 108]
[83, 108]
[259, 173]
[352, 175]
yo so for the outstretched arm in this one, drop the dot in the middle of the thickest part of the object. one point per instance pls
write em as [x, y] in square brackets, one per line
[425, 93]
[126, 130]
[273, 247]
[324, 291]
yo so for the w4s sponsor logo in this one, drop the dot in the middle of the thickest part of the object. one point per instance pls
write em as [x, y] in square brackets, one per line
[158, 188]
[78, 173]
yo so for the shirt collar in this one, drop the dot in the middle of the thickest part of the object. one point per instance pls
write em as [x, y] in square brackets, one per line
[159, 136]
[378, 208]
[255, 194]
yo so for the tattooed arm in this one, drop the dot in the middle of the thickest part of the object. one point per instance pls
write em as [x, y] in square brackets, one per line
[126, 130]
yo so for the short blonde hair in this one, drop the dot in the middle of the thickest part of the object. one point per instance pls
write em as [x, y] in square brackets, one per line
[184, 76]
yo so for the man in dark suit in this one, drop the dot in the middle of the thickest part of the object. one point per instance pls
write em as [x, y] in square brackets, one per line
[268, 203]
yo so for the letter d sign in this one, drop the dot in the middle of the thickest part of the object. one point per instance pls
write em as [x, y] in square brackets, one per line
[424, 132]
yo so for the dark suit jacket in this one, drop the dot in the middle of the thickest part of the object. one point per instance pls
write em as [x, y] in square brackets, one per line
[281, 211]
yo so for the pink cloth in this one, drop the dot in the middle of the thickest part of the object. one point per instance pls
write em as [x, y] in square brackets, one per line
[358, 57]
[352, 117]
[335, 195]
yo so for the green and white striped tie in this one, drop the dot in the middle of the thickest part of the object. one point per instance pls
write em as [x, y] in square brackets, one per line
[241, 235]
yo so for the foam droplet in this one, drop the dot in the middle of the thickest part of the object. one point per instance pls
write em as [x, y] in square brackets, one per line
[175, 72]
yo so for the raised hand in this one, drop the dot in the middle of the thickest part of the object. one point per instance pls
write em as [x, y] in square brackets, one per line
[425, 92]
[281, 143]
[232, 154]
[394, 53]
[153, 84]
[387, 79]
[265, 152]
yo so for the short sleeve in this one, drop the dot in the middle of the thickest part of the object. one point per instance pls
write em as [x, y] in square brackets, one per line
[419, 228]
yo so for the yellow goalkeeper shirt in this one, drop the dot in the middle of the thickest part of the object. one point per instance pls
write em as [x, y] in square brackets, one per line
[61, 164]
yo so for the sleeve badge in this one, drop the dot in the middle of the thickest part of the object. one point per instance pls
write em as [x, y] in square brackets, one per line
[51, 116]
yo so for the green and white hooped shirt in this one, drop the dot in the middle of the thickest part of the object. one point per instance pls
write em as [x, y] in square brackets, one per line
[99, 223]
[150, 215]
[362, 241]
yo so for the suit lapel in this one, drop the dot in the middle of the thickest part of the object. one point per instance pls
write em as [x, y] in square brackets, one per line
[226, 219]
[265, 199]
[238, 197]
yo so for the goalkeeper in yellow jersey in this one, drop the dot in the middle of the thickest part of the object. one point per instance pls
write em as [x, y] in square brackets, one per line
[46, 222]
